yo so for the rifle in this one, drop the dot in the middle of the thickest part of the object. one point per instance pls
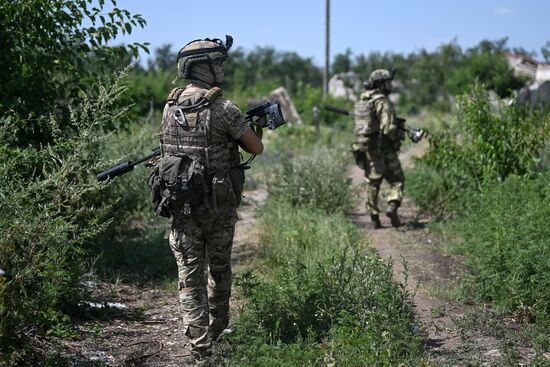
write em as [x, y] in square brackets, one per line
[274, 120]
[415, 134]
[125, 167]
[271, 110]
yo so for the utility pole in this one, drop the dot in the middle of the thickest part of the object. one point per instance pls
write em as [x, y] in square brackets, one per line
[327, 49]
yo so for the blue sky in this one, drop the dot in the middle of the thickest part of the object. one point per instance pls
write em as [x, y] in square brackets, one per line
[363, 26]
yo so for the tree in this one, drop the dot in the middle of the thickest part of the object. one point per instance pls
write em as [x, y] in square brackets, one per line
[49, 58]
[487, 64]
[165, 59]
[342, 62]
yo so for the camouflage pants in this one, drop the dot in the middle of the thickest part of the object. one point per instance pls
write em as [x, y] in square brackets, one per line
[201, 243]
[383, 166]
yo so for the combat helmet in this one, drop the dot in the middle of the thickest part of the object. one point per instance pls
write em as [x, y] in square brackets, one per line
[380, 75]
[202, 51]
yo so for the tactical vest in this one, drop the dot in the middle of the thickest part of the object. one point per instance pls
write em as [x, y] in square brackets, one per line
[367, 124]
[194, 165]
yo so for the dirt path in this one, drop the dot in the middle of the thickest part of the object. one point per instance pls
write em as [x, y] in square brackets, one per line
[430, 276]
[132, 325]
[425, 268]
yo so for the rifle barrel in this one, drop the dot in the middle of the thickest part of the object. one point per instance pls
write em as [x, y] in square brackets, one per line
[337, 110]
[125, 167]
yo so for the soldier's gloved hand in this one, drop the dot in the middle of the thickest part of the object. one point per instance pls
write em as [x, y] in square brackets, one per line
[258, 130]
[416, 134]
[260, 121]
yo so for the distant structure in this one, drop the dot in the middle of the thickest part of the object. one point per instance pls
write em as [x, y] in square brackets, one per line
[543, 73]
[537, 89]
[522, 65]
[345, 85]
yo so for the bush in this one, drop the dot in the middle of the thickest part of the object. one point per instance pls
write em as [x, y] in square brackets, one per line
[505, 235]
[318, 181]
[485, 146]
[45, 219]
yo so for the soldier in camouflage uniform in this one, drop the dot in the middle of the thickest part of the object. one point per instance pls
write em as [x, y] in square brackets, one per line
[202, 132]
[380, 134]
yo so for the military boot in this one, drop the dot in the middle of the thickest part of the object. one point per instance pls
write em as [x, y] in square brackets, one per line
[375, 221]
[391, 212]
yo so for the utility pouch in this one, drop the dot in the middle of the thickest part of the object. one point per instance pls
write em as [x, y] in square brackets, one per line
[237, 179]
[222, 191]
[181, 181]
[157, 200]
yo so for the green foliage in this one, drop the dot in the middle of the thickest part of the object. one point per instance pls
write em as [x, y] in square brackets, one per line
[265, 64]
[45, 219]
[294, 232]
[319, 297]
[485, 64]
[133, 243]
[485, 146]
[342, 62]
[505, 236]
[431, 78]
[49, 58]
[343, 309]
[318, 180]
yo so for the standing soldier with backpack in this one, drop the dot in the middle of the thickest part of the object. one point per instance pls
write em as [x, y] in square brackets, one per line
[199, 184]
[379, 134]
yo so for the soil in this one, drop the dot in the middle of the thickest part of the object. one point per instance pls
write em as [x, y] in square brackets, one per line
[136, 325]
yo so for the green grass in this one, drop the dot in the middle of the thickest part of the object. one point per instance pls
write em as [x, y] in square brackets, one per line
[505, 236]
[319, 295]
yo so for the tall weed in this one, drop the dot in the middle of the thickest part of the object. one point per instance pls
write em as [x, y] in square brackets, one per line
[505, 235]
[318, 181]
[344, 311]
[485, 145]
[46, 218]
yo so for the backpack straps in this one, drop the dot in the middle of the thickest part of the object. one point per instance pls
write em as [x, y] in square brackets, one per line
[212, 94]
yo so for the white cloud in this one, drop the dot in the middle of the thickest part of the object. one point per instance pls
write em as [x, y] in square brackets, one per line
[504, 11]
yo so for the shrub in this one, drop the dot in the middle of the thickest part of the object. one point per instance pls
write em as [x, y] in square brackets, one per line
[46, 218]
[485, 146]
[345, 309]
[505, 235]
[318, 180]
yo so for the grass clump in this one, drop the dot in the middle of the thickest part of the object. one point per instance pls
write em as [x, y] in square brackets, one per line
[317, 181]
[346, 310]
